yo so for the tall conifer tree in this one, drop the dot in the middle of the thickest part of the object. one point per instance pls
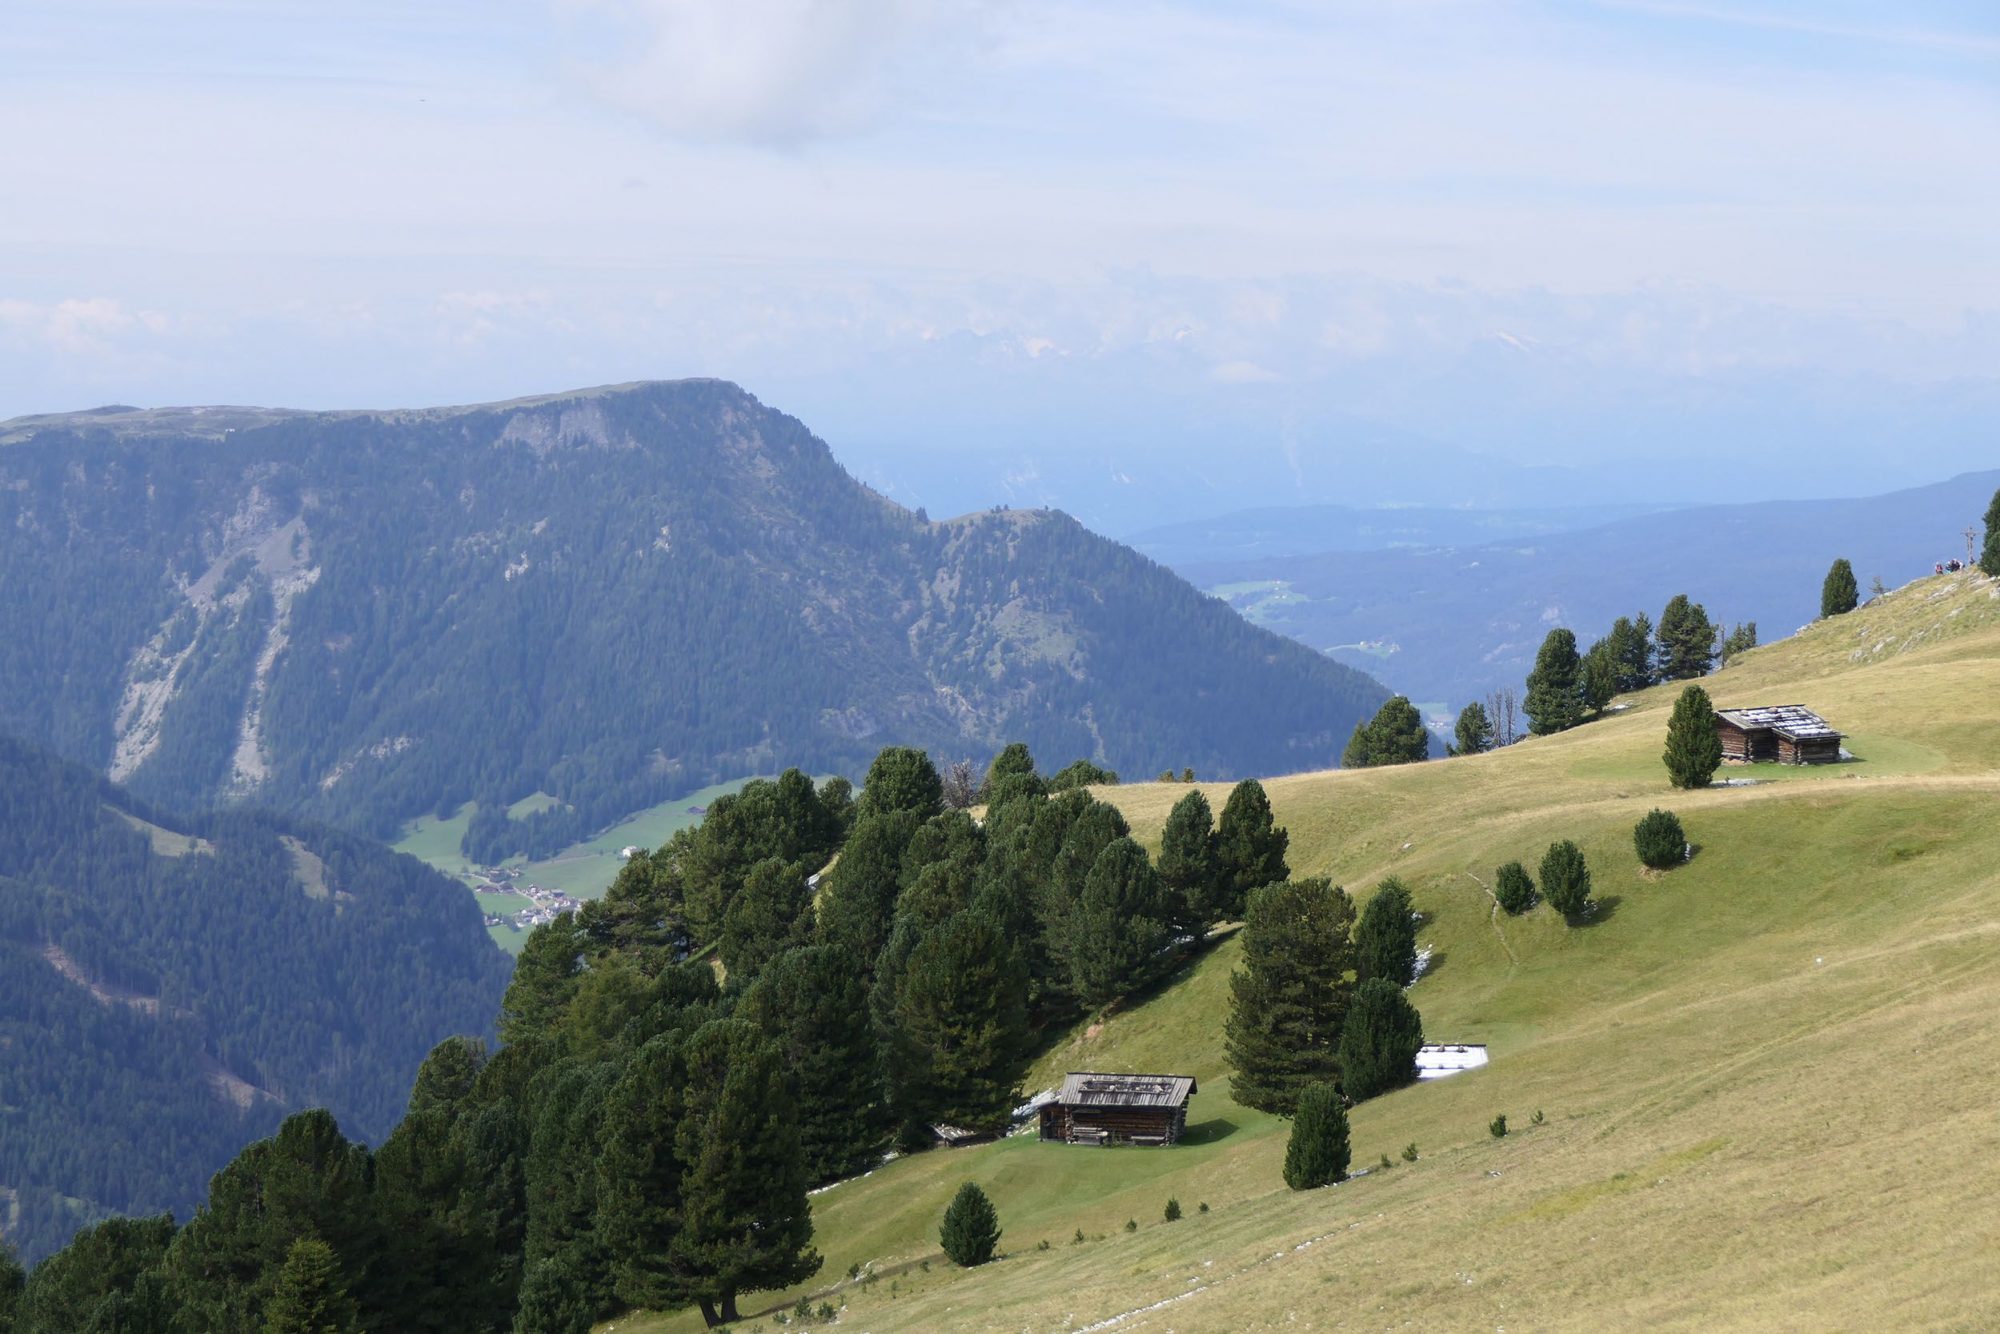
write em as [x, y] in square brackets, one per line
[1249, 848]
[814, 1004]
[1385, 942]
[1555, 687]
[1379, 1040]
[1839, 594]
[1687, 640]
[745, 1223]
[1694, 751]
[1290, 998]
[1187, 863]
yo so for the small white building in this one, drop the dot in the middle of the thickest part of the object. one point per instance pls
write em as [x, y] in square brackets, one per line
[629, 851]
[1450, 1058]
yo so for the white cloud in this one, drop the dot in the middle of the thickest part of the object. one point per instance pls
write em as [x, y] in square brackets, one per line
[774, 72]
[1243, 372]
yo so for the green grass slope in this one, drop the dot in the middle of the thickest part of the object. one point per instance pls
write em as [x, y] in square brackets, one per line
[1766, 1076]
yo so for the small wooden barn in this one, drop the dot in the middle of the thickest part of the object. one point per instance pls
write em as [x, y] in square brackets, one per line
[1780, 733]
[1093, 1108]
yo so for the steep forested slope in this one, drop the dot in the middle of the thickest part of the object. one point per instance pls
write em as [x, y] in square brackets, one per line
[170, 988]
[606, 596]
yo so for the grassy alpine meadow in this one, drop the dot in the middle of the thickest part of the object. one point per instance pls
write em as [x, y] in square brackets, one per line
[1752, 1091]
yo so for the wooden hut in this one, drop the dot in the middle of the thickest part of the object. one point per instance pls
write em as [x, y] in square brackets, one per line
[1093, 1108]
[1777, 733]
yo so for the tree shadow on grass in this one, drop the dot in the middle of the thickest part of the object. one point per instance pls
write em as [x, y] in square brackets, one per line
[1211, 1131]
[1598, 912]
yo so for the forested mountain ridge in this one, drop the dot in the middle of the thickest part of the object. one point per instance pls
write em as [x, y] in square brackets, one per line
[607, 596]
[170, 988]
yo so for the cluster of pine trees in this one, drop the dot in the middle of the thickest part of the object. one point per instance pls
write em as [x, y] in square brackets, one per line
[1320, 998]
[1567, 687]
[686, 1057]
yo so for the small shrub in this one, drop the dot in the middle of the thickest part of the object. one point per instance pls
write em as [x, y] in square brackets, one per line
[1202, 1208]
[971, 1228]
[1077, 1240]
[826, 1311]
[1536, 1119]
[1410, 1152]
[1187, 775]
[1042, 1245]
[804, 1310]
[1131, 1225]
[1514, 889]
[1173, 1210]
[926, 1266]
[1385, 1164]
[1497, 1127]
[854, 1271]
[1660, 840]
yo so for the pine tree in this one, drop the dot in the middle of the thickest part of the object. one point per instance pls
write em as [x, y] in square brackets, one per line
[1249, 848]
[769, 915]
[1187, 864]
[1989, 553]
[310, 1297]
[958, 1027]
[1385, 942]
[902, 778]
[639, 1176]
[1095, 827]
[1379, 1040]
[1632, 648]
[307, 1180]
[1555, 686]
[814, 1004]
[1687, 640]
[1119, 925]
[1513, 889]
[1694, 751]
[1840, 594]
[89, 1284]
[1474, 733]
[1741, 639]
[971, 1231]
[1317, 1154]
[1597, 679]
[1290, 998]
[1565, 878]
[857, 904]
[560, 1185]
[1395, 735]
[1013, 761]
[1659, 840]
[745, 1225]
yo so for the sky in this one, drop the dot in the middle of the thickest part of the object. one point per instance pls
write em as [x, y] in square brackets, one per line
[1144, 259]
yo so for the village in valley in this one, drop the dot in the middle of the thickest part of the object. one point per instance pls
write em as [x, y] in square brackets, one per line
[544, 905]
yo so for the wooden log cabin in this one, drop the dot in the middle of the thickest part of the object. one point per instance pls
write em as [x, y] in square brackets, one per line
[1776, 733]
[1094, 1108]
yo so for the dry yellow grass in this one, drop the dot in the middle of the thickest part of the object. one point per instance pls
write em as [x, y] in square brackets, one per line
[1767, 1076]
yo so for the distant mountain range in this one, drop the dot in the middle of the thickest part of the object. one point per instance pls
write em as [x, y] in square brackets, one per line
[1305, 530]
[171, 987]
[1447, 621]
[607, 596]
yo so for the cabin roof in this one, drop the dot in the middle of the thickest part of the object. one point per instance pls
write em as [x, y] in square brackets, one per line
[1794, 722]
[1088, 1088]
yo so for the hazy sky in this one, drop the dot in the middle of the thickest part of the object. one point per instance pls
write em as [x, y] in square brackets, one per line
[1553, 232]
